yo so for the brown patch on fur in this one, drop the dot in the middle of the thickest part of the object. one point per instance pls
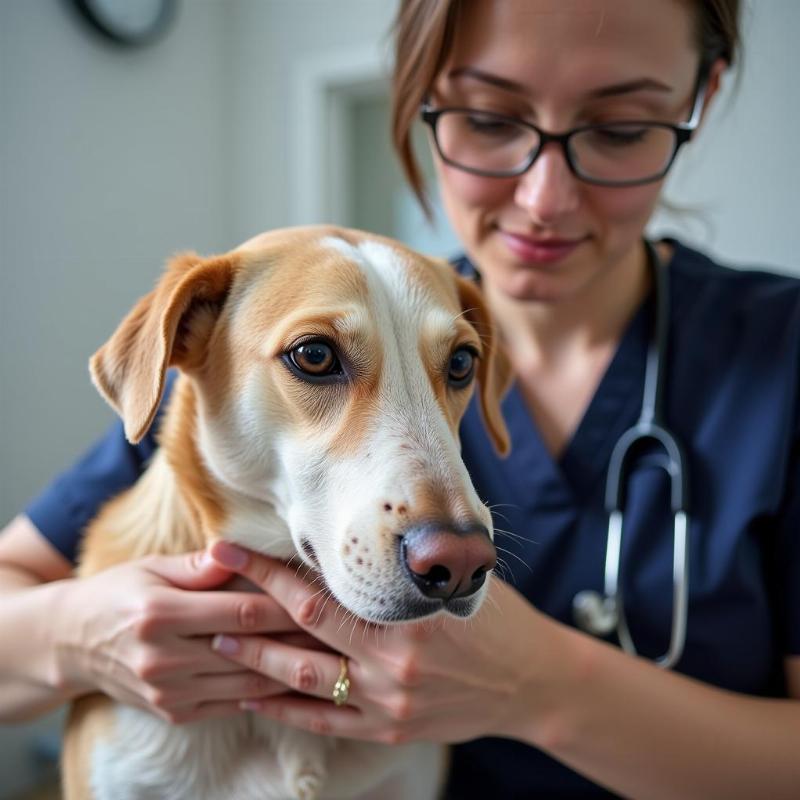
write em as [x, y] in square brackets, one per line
[494, 374]
[178, 439]
[435, 352]
[173, 508]
[129, 369]
[433, 501]
[90, 721]
[314, 288]
[494, 369]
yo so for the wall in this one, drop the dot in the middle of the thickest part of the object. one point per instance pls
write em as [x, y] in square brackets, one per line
[111, 159]
[739, 181]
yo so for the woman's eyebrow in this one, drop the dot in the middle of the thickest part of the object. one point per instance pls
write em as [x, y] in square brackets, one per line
[628, 87]
[612, 90]
[487, 77]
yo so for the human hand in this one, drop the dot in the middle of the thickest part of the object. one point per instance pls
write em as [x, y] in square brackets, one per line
[445, 679]
[141, 632]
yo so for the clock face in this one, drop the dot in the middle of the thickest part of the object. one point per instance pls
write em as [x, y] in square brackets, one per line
[128, 21]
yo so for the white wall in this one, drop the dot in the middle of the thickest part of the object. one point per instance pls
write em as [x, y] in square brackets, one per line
[741, 178]
[110, 159]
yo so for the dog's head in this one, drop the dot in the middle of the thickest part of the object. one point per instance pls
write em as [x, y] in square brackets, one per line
[330, 370]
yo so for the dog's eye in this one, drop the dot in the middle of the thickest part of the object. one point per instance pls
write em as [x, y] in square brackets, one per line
[316, 359]
[462, 367]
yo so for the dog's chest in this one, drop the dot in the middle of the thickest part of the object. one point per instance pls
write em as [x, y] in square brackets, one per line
[251, 758]
[210, 760]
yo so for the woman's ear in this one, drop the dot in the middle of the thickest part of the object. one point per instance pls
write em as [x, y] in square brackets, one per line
[170, 326]
[713, 84]
[494, 368]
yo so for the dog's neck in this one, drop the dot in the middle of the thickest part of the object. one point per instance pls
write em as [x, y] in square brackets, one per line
[172, 508]
[177, 505]
[202, 497]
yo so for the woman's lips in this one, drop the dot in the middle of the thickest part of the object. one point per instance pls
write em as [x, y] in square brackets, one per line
[539, 250]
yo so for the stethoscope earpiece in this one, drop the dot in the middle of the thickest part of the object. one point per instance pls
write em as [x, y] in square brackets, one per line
[595, 613]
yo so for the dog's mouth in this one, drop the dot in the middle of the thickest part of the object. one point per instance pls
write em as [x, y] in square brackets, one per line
[407, 606]
[419, 608]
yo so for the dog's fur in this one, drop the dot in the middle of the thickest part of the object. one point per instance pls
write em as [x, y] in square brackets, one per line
[329, 473]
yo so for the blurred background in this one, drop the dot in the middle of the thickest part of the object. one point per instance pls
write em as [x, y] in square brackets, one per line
[237, 117]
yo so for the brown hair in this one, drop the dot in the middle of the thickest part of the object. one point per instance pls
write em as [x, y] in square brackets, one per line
[423, 35]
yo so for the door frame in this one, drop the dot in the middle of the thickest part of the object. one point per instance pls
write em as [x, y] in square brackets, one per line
[324, 88]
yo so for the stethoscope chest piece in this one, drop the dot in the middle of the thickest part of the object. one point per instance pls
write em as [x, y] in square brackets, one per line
[595, 613]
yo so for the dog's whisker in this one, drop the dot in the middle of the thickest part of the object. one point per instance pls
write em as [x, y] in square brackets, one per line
[516, 536]
[353, 629]
[514, 555]
[325, 602]
[345, 618]
[501, 569]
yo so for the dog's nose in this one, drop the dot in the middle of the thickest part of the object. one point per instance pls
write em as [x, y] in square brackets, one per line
[446, 562]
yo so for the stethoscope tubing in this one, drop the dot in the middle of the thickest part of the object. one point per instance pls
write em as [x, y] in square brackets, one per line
[602, 614]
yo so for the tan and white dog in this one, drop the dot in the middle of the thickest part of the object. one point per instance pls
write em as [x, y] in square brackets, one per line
[324, 373]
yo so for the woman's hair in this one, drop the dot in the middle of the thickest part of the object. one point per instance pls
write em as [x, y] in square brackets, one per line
[423, 35]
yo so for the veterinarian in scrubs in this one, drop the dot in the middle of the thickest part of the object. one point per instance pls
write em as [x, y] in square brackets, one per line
[535, 707]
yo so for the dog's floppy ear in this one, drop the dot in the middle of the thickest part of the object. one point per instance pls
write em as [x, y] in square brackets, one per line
[170, 326]
[494, 369]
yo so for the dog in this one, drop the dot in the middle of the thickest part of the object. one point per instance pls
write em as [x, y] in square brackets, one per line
[323, 373]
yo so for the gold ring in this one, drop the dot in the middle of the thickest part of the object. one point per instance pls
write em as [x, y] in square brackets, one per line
[341, 689]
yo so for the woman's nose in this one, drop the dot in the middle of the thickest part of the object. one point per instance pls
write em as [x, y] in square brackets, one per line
[548, 191]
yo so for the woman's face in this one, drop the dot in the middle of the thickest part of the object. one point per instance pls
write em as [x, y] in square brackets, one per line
[546, 235]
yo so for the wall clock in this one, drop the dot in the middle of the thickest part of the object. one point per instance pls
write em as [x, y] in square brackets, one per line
[129, 22]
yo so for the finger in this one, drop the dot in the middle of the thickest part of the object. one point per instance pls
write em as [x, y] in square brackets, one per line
[312, 609]
[239, 685]
[322, 717]
[195, 570]
[203, 613]
[205, 711]
[178, 659]
[306, 671]
[302, 639]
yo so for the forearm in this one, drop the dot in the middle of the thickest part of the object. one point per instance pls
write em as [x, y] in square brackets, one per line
[649, 733]
[30, 682]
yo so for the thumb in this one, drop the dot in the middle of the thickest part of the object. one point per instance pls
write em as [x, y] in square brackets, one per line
[195, 570]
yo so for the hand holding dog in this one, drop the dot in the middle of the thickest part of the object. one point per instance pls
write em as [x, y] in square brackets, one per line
[140, 632]
[444, 680]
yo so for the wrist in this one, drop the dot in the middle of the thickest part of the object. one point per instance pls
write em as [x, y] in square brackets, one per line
[65, 674]
[558, 666]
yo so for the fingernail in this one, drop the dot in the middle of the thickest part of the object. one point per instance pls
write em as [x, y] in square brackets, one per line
[226, 645]
[229, 555]
[249, 705]
[207, 560]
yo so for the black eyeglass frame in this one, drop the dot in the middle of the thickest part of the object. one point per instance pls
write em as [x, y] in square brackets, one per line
[683, 133]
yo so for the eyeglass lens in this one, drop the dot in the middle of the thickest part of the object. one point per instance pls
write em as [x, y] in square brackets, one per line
[617, 152]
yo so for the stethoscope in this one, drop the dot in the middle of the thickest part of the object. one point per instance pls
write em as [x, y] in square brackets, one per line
[601, 613]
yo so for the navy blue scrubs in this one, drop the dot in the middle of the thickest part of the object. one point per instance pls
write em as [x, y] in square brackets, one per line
[732, 399]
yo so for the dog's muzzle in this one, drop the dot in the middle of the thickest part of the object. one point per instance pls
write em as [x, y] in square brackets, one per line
[445, 561]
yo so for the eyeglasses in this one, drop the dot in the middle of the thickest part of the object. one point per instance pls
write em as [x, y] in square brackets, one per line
[622, 153]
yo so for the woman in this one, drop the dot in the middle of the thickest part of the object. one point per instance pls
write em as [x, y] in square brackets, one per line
[541, 709]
